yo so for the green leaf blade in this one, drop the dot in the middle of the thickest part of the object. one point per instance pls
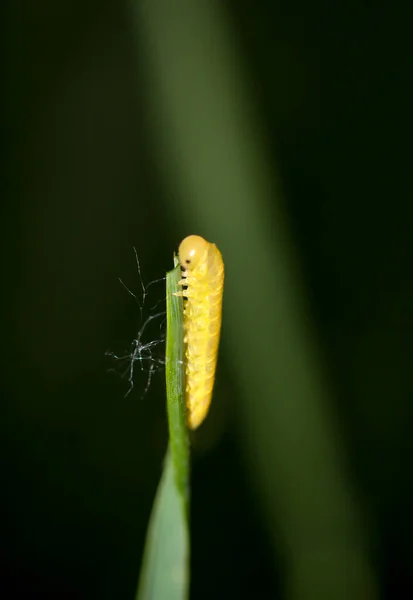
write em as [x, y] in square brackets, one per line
[165, 565]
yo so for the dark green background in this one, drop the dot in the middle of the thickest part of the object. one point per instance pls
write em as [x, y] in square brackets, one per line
[332, 87]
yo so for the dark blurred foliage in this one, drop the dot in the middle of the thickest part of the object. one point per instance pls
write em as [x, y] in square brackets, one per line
[81, 462]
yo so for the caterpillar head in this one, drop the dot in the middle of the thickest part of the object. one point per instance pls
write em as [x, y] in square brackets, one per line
[191, 251]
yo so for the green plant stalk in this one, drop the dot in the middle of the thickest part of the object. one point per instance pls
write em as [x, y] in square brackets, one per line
[175, 385]
[165, 566]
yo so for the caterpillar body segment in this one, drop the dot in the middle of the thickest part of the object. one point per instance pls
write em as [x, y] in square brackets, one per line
[203, 276]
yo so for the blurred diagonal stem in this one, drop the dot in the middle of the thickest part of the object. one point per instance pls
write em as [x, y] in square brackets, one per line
[214, 160]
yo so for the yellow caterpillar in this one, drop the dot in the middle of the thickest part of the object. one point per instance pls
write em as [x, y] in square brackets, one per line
[203, 276]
